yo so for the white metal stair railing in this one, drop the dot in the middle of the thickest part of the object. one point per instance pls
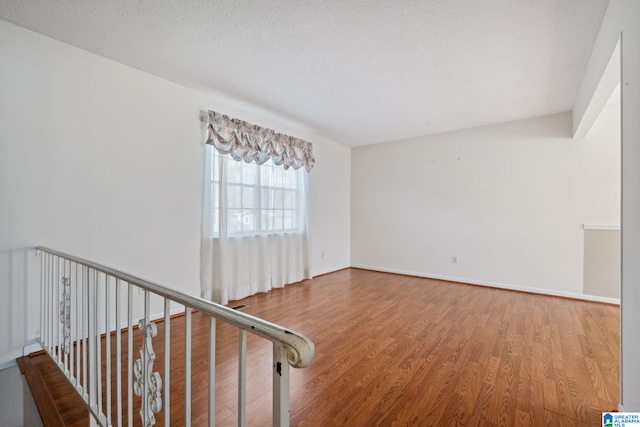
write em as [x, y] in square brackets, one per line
[81, 302]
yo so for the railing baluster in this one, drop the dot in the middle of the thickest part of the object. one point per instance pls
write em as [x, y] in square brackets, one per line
[212, 371]
[53, 307]
[54, 303]
[130, 355]
[85, 329]
[62, 311]
[145, 362]
[91, 306]
[107, 346]
[67, 308]
[43, 300]
[57, 309]
[98, 354]
[71, 340]
[40, 333]
[187, 366]
[118, 356]
[78, 314]
[280, 386]
[145, 385]
[73, 317]
[167, 359]
[47, 302]
[63, 316]
[242, 378]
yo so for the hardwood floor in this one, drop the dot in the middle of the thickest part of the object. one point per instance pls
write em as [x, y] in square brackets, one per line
[397, 351]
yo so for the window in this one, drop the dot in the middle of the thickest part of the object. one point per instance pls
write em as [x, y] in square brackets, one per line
[259, 199]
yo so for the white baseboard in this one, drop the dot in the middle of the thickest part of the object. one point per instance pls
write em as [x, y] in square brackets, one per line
[620, 408]
[160, 315]
[28, 348]
[531, 290]
[10, 364]
[153, 316]
[31, 347]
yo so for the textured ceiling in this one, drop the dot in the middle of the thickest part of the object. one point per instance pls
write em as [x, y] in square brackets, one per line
[355, 71]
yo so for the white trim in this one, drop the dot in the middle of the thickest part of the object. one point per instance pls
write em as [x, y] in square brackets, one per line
[540, 291]
[10, 364]
[160, 315]
[600, 227]
[620, 408]
[134, 321]
[31, 347]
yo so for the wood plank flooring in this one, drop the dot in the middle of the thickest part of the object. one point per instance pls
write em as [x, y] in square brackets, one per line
[395, 350]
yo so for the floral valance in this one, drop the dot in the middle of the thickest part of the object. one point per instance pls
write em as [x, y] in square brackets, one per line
[251, 143]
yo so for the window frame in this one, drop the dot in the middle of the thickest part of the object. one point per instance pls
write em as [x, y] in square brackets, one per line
[296, 187]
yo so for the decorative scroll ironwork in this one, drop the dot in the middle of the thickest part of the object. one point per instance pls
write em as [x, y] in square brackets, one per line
[148, 383]
[65, 313]
[84, 373]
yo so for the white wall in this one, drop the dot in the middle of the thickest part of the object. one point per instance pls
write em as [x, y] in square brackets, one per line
[621, 23]
[330, 182]
[106, 162]
[11, 398]
[509, 200]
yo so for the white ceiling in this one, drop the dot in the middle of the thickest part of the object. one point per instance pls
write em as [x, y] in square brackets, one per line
[355, 71]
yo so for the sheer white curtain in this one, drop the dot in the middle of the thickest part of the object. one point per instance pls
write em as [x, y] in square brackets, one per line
[254, 227]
